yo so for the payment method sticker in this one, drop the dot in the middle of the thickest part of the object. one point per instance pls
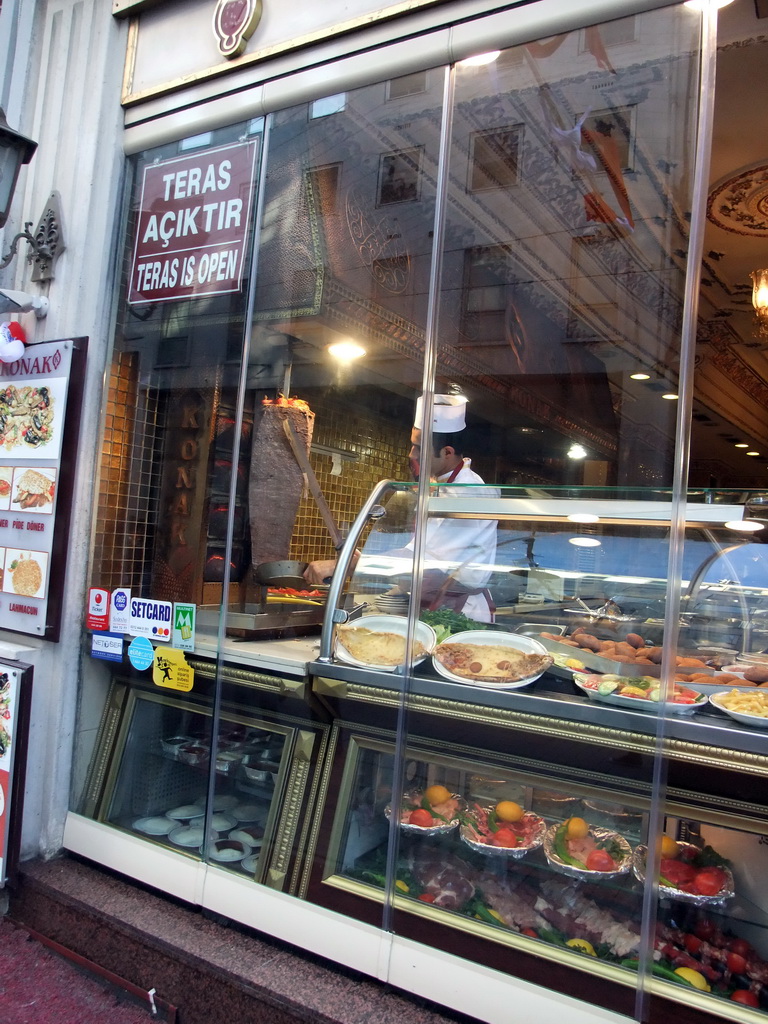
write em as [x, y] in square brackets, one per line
[108, 646]
[152, 619]
[141, 653]
[184, 626]
[97, 616]
[170, 669]
[119, 610]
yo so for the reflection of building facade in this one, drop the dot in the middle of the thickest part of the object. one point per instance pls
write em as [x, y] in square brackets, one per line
[517, 232]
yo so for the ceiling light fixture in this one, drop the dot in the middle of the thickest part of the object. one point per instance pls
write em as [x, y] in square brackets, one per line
[585, 542]
[744, 525]
[577, 451]
[753, 453]
[639, 376]
[346, 351]
[760, 300]
[741, 444]
[583, 517]
[670, 396]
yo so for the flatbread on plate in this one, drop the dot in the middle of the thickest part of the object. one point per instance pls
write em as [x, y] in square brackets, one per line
[375, 647]
[491, 663]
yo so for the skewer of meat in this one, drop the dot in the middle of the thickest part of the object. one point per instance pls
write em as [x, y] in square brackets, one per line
[276, 483]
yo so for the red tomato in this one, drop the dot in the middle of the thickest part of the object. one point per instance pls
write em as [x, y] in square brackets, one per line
[692, 943]
[747, 998]
[709, 881]
[530, 933]
[600, 860]
[740, 946]
[736, 963]
[505, 838]
[677, 872]
[427, 897]
[421, 818]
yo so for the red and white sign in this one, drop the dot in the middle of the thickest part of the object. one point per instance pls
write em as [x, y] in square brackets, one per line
[98, 609]
[9, 701]
[193, 225]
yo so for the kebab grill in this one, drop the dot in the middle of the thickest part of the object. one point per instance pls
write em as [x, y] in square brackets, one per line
[279, 602]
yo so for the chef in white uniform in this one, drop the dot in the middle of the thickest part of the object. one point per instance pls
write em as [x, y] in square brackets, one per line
[459, 553]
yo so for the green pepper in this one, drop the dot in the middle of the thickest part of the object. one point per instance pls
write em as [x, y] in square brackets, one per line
[484, 914]
[561, 848]
[659, 971]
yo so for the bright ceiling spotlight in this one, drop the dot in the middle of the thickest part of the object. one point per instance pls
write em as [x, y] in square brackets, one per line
[585, 542]
[753, 453]
[583, 517]
[744, 525]
[670, 396]
[639, 376]
[577, 451]
[346, 351]
[741, 444]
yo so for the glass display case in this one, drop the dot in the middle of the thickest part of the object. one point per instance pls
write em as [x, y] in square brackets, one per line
[227, 785]
[504, 814]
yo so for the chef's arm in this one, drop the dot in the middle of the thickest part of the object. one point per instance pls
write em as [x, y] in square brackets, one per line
[322, 570]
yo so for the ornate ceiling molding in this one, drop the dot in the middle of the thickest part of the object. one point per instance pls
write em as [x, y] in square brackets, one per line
[739, 205]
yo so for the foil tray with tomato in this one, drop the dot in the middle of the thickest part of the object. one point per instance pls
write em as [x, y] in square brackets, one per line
[695, 876]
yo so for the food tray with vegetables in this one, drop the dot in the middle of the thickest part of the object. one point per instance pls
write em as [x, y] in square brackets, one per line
[687, 873]
[504, 829]
[585, 851]
[639, 693]
[430, 812]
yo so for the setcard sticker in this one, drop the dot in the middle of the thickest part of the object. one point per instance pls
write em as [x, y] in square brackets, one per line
[141, 653]
[108, 646]
[170, 670]
[184, 626]
[152, 619]
[119, 610]
[97, 614]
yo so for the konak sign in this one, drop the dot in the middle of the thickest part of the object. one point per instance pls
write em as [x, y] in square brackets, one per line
[193, 225]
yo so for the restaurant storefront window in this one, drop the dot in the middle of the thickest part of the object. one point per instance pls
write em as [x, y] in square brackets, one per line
[455, 299]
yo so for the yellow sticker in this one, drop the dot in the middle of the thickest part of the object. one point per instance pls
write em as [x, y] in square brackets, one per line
[170, 669]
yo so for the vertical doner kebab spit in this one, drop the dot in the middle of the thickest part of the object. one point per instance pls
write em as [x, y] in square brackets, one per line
[276, 483]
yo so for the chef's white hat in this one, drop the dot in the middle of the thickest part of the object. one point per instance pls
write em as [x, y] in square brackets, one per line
[448, 413]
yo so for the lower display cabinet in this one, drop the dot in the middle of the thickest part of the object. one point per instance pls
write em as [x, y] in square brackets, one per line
[238, 799]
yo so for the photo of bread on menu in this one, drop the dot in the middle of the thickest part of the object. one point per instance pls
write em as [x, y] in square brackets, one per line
[25, 572]
[33, 490]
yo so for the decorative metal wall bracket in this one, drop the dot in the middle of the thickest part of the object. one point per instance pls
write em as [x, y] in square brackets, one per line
[46, 244]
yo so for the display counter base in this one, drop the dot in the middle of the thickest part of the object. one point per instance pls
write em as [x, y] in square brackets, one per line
[210, 970]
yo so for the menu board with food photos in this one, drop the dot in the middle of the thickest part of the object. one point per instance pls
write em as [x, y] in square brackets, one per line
[36, 446]
[15, 697]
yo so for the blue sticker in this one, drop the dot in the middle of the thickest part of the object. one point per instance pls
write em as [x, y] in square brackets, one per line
[108, 646]
[141, 653]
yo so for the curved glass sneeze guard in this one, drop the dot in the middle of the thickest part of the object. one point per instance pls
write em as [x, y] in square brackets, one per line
[561, 561]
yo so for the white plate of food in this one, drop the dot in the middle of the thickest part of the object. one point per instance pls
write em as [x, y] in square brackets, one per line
[491, 659]
[159, 825]
[635, 693]
[228, 851]
[746, 707]
[188, 835]
[186, 812]
[503, 829]
[585, 851]
[429, 812]
[378, 641]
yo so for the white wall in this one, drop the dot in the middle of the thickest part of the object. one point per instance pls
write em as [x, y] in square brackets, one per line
[62, 72]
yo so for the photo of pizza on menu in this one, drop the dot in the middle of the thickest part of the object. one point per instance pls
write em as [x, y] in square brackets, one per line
[25, 572]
